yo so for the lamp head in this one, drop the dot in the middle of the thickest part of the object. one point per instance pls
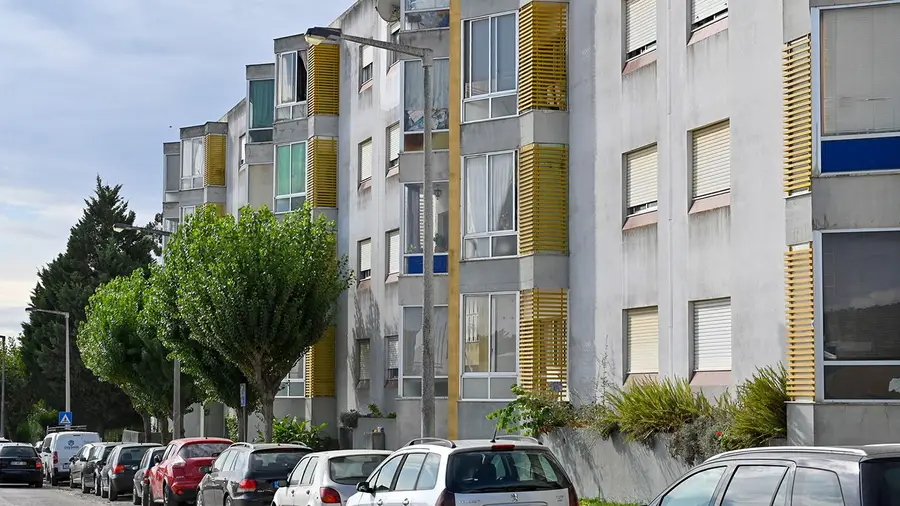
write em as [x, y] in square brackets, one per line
[29, 309]
[319, 34]
[119, 227]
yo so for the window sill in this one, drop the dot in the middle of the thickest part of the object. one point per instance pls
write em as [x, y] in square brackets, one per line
[637, 62]
[637, 377]
[366, 85]
[711, 379]
[365, 185]
[363, 283]
[393, 171]
[641, 220]
[709, 30]
[392, 278]
[704, 204]
[485, 259]
[508, 400]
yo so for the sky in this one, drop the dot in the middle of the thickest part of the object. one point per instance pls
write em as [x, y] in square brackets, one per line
[94, 87]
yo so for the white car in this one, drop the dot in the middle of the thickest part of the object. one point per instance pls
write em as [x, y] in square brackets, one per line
[59, 448]
[438, 472]
[327, 477]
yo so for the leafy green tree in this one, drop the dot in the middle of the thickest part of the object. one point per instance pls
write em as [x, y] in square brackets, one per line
[260, 290]
[94, 255]
[20, 396]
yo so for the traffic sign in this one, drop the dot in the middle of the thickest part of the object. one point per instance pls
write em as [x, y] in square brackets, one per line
[243, 395]
[65, 418]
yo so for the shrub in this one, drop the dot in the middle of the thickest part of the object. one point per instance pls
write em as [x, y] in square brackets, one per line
[231, 427]
[650, 407]
[287, 430]
[533, 413]
[704, 436]
[760, 413]
[350, 419]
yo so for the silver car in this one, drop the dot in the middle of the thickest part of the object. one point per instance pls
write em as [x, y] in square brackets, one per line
[327, 477]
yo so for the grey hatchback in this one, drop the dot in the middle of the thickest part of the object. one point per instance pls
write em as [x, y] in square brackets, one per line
[792, 475]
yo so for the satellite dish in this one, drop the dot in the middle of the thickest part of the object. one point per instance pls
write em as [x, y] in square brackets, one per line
[389, 10]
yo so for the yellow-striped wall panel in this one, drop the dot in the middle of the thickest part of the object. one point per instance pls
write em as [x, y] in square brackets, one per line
[214, 171]
[218, 206]
[320, 367]
[453, 310]
[797, 73]
[321, 171]
[543, 339]
[323, 70]
[543, 199]
[543, 68]
[801, 361]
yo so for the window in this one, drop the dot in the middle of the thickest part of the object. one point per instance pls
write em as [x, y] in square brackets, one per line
[490, 206]
[428, 476]
[291, 77]
[641, 175]
[365, 160]
[705, 12]
[860, 310]
[816, 486]
[640, 27]
[261, 95]
[393, 136]
[411, 373]
[297, 474]
[860, 74]
[696, 490]
[393, 259]
[414, 227]
[385, 475]
[170, 225]
[753, 485]
[711, 160]
[392, 359]
[409, 472]
[365, 259]
[363, 356]
[290, 177]
[642, 334]
[712, 335]
[294, 385]
[426, 14]
[366, 64]
[490, 345]
[309, 472]
[243, 143]
[394, 57]
[187, 211]
[414, 102]
[192, 163]
[522, 469]
[490, 67]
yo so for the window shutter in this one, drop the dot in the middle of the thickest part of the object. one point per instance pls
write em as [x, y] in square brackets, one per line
[712, 335]
[393, 353]
[394, 142]
[702, 9]
[394, 252]
[640, 24]
[422, 219]
[367, 57]
[365, 255]
[643, 340]
[641, 173]
[712, 160]
[365, 160]
[364, 355]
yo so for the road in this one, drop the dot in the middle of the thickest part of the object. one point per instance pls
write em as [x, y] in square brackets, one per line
[11, 495]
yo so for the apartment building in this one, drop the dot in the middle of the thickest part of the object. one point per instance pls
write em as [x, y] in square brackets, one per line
[623, 190]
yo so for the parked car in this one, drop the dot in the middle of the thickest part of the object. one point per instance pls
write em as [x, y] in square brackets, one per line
[77, 464]
[174, 478]
[20, 463]
[851, 476]
[96, 461]
[141, 481]
[246, 473]
[117, 476]
[58, 448]
[327, 477]
[432, 471]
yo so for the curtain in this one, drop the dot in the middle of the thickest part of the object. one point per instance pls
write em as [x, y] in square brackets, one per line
[441, 91]
[262, 103]
[287, 72]
[502, 173]
[476, 195]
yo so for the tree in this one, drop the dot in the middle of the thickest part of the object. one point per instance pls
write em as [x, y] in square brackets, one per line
[260, 290]
[94, 255]
[20, 396]
[119, 343]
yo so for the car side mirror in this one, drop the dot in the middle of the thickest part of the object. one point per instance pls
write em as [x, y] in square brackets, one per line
[215, 455]
[363, 486]
[157, 459]
[205, 469]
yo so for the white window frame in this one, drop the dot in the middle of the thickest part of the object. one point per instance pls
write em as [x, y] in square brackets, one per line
[186, 211]
[362, 176]
[394, 162]
[393, 34]
[366, 76]
[403, 131]
[275, 194]
[190, 182]
[301, 381]
[363, 274]
[693, 341]
[702, 23]
[401, 375]
[243, 153]
[499, 233]
[404, 231]
[360, 381]
[171, 224]
[647, 207]
[388, 378]
[467, 61]
[250, 128]
[405, 11]
[819, 321]
[289, 106]
[462, 356]
[396, 257]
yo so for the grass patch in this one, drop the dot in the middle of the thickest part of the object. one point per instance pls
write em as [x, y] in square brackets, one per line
[596, 501]
[649, 407]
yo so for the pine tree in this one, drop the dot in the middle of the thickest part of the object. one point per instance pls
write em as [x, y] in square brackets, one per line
[94, 255]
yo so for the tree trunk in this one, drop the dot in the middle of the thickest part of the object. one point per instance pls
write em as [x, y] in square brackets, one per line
[163, 428]
[145, 416]
[268, 409]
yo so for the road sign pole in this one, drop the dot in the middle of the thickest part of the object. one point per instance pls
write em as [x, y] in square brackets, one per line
[244, 411]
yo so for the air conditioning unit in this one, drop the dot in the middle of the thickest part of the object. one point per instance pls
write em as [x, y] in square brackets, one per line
[389, 10]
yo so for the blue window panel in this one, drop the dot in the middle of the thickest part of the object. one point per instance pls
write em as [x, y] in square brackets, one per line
[857, 155]
[415, 264]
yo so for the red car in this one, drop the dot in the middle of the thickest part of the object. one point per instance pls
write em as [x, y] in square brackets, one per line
[176, 473]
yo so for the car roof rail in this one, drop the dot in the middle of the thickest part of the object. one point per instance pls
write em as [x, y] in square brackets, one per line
[434, 440]
[517, 437]
[242, 443]
[66, 428]
[799, 449]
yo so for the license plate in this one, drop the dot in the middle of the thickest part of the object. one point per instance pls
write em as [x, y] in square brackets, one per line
[65, 466]
[18, 463]
[275, 484]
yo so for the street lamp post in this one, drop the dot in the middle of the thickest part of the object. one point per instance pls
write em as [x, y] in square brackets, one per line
[32, 309]
[318, 35]
[176, 373]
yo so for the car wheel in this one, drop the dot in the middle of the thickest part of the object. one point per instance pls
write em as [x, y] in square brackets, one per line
[103, 493]
[98, 490]
[199, 497]
[39, 484]
[168, 498]
[135, 497]
[227, 501]
[113, 493]
[71, 481]
[84, 486]
[54, 481]
[145, 496]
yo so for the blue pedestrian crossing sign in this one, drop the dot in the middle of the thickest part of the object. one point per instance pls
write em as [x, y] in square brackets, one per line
[65, 418]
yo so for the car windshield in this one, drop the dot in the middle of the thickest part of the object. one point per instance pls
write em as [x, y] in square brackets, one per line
[107, 450]
[880, 480]
[279, 461]
[353, 469]
[18, 452]
[200, 450]
[504, 471]
[131, 455]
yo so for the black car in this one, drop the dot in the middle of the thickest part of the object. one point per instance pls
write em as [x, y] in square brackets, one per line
[810, 475]
[20, 463]
[246, 473]
[141, 479]
[90, 474]
[117, 476]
